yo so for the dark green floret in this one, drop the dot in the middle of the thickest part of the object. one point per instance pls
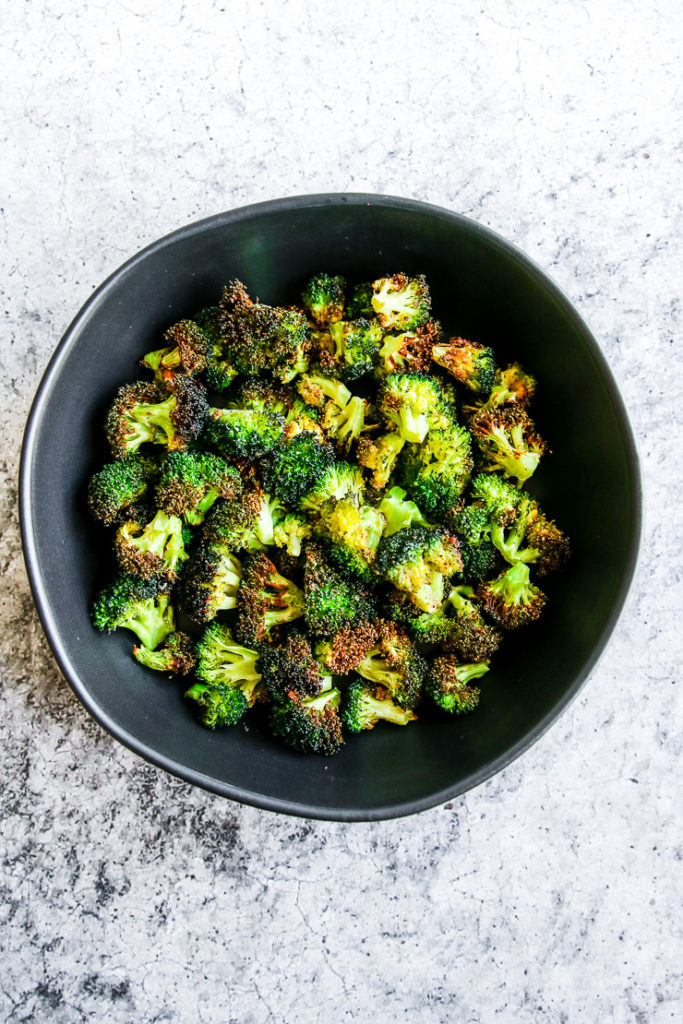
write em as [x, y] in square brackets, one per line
[245, 523]
[339, 480]
[291, 668]
[243, 433]
[331, 602]
[448, 684]
[352, 534]
[176, 655]
[436, 473]
[356, 345]
[188, 350]
[119, 485]
[220, 373]
[473, 528]
[210, 582]
[266, 600]
[359, 302]
[259, 337]
[142, 606]
[364, 705]
[311, 725]
[323, 297]
[296, 466]
[220, 705]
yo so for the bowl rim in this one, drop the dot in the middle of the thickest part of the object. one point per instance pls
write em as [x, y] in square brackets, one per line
[170, 765]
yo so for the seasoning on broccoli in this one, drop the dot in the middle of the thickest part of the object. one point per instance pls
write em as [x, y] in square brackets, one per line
[222, 662]
[401, 303]
[323, 297]
[311, 725]
[331, 602]
[508, 441]
[448, 684]
[471, 364]
[188, 350]
[418, 560]
[265, 601]
[141, 414]
[190, 482]
[118, 485]
[141, 605]
[380, 456]
[364, 705]
[511, 599]
[395, 664]
[176, 655]
[210, 582]
[156, 548]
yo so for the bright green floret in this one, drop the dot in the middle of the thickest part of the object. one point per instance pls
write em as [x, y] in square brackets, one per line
[352, 533]
[401, 303]
[417, 561]
[399, 512]
[176, 655]
[220, 705]
[142, 606]
[153, 549]
[437, 472]
[243, 433]
[245, 523]
[356, 345]
[331, 602]
[413, 403]
[340, 480]
[221, 661]
[190, 482]
[511, 599]
[297, 466]
[364, 705]
[380, 456]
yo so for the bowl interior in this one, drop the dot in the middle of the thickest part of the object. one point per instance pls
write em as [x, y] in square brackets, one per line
[481, 289]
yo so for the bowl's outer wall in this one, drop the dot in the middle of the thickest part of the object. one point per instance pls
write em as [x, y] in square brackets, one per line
[481, 289]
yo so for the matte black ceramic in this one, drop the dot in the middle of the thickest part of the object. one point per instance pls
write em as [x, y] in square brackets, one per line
[482, 289]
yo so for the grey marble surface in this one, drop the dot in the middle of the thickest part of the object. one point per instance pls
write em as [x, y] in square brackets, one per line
[551, 893]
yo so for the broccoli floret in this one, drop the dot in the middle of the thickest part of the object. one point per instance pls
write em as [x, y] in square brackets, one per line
[413, 402]
[471, 364]
[118, 485]
[190, 482]
[347, 648]
[222, 662]
[311, 725]
[395, 664]
[220, 373]
[265, 601]
[359, 302]
[176, 655]
[316, 389]
[380, 456]
[259, 337]
[512, 387]
[548, 541]
[508, 442]
[297, 466]
[409, 352]
[291, 668]
[246, 523]
[471, 637]
[290, 533]
[473, 527]
[365, 705]
[153, 549]
[447, 683]
[331, 602]
[220, 705]
[210, 582]
[352, 533]
[187, 350]
[399, 512]
[340, 480]
[511, 599]
[344, 426]
[437, 472]
[142, 606]
[401, 303]
[243, 433]
[323, 297]
[417, 560]
[141, 415]
[498, 497]
[356, 345]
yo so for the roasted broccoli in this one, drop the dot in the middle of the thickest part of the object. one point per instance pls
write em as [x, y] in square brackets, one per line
[291, 668]
[472, 525]
[243, 433]
[210, 582]
[331, 602]
[156, 548]
[347, 648]
[395, 664]
[222, 662]
[359, 302]
[141, 414]
[418, 560]
[437, 472]
[364, 705]
[119, 485]
[447, 683]
[291, 532]
[340, 480]
[311, 725]
[265, 601]
[410, 352]
[316, 389]
[259, 337]
[471, 364]
[508, 442]
[220, 372]
[399, 512]
[413, 403]
[144, 606]
[176, 655]
[296, 466]
[356, 345]
[401, 303]
[220, 705]
[323, 297]
[511, 599]
[344, 426]
[190, 482]
[352, 533]
[188, 350]
[380, 456]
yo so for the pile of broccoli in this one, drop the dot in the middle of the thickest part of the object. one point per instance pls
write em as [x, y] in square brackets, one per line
[319, 511]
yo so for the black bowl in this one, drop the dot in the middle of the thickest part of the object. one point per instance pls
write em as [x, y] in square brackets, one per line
[483, 289]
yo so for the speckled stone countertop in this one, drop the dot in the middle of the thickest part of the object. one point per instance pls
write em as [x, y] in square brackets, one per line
[551, 893]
